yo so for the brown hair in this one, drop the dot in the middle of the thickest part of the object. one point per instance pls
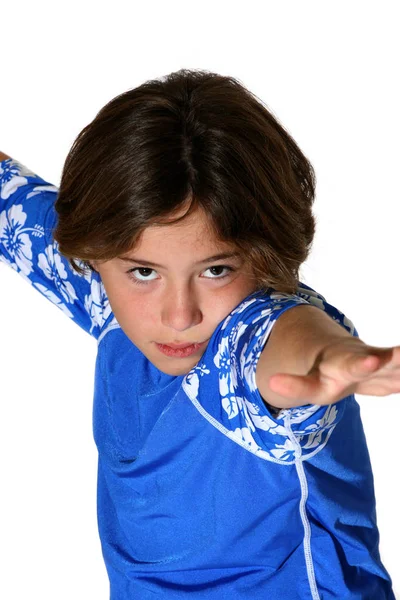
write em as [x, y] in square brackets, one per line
[190, 136]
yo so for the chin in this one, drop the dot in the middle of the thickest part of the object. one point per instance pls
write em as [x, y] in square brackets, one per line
[175, 370]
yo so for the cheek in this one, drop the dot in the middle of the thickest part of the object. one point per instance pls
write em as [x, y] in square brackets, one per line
[224, 303]
[133, 310]
[137, 314]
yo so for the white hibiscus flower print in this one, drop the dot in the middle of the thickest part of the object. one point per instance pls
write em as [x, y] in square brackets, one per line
[13, 175]
[52, 266]
[284, 451]
[15, 239]
[239, 309]
[243, 434]
[222, 357]
[97, 304]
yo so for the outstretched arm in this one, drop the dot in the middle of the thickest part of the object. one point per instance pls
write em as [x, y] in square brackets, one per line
[311, 359]
[27, 245]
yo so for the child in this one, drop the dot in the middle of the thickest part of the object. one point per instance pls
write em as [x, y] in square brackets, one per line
[182, 218]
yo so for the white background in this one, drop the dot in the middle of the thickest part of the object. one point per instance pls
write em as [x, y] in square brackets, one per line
[329, 72]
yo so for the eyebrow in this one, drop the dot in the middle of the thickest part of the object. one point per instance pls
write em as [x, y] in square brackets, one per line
[148, 263]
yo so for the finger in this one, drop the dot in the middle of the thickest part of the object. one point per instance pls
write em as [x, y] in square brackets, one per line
[363, 365]
[300, 387]
[350, 370]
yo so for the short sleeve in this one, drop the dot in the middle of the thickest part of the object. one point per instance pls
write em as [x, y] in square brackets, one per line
[222, 385]
[27, 220]
[301, 430]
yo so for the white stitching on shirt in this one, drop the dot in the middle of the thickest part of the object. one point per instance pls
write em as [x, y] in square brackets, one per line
[303, 513]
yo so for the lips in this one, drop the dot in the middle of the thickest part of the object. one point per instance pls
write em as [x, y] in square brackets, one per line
[179, 346]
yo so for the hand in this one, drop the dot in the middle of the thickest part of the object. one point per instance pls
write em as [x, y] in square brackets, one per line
[344, 367]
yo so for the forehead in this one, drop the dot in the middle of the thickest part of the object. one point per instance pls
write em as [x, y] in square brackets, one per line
[195, 230]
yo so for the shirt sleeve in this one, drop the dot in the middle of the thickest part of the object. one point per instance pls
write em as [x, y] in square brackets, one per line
[27, 220]
[288, 432]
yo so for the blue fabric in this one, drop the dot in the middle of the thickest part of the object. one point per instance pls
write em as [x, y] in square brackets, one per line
[202, 488]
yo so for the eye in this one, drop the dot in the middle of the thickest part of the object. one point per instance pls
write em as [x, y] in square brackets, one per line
[230, 269]
[135, 279]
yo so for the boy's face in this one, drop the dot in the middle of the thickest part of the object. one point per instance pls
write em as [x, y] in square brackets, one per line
[184, 298]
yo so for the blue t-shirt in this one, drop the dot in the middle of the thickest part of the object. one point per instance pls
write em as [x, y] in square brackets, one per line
[202, 487]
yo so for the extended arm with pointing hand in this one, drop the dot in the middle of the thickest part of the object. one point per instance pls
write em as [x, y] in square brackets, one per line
[311, 359]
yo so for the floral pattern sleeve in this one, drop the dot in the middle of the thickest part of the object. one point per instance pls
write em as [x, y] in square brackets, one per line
[27, 219]
[299, 431]
[229, 366]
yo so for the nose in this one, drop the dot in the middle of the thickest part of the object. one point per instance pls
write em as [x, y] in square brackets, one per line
[181, 309]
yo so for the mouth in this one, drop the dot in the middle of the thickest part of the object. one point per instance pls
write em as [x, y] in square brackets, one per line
[180, 346]
[180, 350]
